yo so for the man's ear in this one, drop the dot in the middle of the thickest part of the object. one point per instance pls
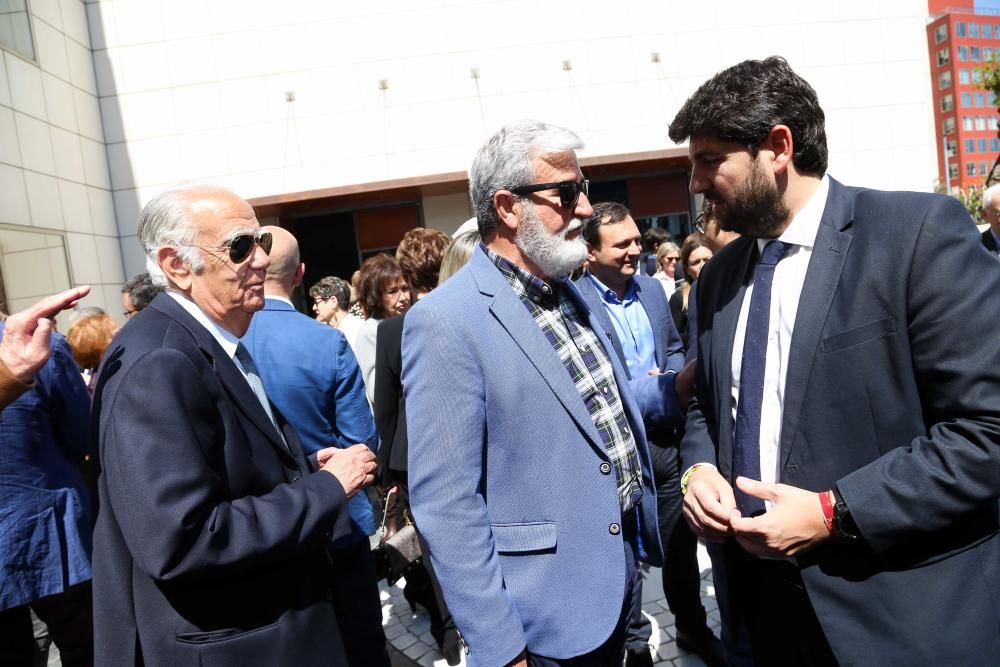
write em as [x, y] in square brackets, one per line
[591, 257]
[781, 146]
[507, 207]
[176, 270]
[300, 273]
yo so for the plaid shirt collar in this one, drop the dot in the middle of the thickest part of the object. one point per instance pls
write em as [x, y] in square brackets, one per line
[526, 285]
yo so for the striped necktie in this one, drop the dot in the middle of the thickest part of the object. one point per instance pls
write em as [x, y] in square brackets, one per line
[253, 377]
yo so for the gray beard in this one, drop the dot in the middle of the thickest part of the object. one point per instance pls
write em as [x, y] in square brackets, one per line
[552, 253]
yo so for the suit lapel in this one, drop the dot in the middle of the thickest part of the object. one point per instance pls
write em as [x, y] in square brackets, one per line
[508, 310]
[732, 287]
[822, 277]
[225, 368]
[604, 326]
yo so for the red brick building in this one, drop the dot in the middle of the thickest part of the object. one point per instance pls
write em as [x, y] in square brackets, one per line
[961, 42]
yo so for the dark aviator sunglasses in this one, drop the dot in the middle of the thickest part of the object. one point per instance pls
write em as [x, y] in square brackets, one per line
[241, 246]
[569, 191]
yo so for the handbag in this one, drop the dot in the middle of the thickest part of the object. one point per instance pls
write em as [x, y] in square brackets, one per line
[398, 549]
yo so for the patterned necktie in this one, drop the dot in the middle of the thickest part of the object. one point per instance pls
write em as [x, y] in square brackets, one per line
[253, 377]
[746, 440]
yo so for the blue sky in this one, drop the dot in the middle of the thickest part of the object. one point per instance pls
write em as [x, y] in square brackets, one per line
[987, 4]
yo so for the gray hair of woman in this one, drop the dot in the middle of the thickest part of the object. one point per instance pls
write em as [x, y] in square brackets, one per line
[458, 254]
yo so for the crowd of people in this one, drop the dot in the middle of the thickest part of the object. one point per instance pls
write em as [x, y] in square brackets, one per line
[550, 398]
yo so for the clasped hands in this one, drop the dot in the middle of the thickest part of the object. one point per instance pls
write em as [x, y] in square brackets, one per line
[354, 467]
[793, 525]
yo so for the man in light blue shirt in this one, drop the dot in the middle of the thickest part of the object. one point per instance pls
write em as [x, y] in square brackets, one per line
[636, 318]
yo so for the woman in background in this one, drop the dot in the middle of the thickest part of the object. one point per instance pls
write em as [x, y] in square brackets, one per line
[382, 292]
[667, 256]
[695, 251]
[89, 337]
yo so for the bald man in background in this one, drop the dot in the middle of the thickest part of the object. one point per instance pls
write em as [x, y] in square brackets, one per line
[310, 373]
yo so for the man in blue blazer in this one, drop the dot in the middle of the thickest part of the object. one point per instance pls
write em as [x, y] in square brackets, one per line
[845, 437]
[311, 375]
[529, 473]
[210, 544]
[635, 316]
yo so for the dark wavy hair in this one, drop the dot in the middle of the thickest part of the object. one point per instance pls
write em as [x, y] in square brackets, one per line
[141, 290]
[741, 104]
[605, 213]
[332, 286]
[376, 273]
[419, 255]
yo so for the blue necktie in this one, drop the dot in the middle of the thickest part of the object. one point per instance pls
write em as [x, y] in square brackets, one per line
[253, 377]
[746, 440]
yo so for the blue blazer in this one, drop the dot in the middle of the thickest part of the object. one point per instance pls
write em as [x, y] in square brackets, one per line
[210, 544]
[310, 373]
[509, 482]
[654, 394]
[44, 510]
[891, 398]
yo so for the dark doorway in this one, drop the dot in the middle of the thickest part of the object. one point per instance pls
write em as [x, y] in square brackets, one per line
[327, 245]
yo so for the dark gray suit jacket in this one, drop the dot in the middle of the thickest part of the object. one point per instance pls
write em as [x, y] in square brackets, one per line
[893, 398]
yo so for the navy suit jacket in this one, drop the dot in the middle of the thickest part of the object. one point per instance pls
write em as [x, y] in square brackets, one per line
[509, 481]
[990, 242]
[310, 373]
[209, 544]
[654, 394]
[894, 406]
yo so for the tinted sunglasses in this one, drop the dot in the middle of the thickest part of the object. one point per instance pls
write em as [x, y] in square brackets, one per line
[240, 247]
[569, 191]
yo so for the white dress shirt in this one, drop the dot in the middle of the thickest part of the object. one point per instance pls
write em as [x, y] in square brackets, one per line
[789, 275]
[226, 339]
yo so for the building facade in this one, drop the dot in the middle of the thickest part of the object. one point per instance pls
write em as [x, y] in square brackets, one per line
[349, 123]
[962, 41]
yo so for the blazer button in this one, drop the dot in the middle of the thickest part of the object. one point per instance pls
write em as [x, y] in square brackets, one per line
[606, 468]
[614, 529]
[296, 477]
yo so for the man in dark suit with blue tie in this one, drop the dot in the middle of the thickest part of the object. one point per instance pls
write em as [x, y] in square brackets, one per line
[635, 316]
[844, 440]
[322, 395]
[211, 542]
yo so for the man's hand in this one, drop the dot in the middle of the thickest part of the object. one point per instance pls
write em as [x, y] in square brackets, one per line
[684, 384]
[26, 347]
[794, 523]
[353, 467]
[709, 504]
[520, 661]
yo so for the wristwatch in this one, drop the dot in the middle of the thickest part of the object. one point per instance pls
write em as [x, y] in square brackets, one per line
[844, 528]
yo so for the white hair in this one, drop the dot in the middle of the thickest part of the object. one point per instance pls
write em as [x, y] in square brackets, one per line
[166, 221]
[989, 193]
[505, 161]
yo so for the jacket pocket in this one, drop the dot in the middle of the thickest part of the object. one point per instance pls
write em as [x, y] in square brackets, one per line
[525, 537]
[858, 335]
[216, 636]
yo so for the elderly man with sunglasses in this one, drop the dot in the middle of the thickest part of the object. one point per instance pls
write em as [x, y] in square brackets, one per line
[210, 544]
[528, 468]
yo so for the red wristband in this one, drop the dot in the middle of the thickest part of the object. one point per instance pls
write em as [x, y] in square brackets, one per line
[826, 501]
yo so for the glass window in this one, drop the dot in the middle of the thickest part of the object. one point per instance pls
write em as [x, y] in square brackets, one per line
[960, 29]
[948, 125]
[970, 145]
[988, 30]
[983, 168]
[991, 99]
[977, 76]
[966, 100]
[987, 54]
[974, 30]
[981, 145]
[963, 76]
[941, 33]
[950, 147]
[15, 28]
[980, 123]
[966, 123]
[963, 53]
[947, 103]
[980, 100]
[975, 54]
[944, 80]
[943, 57]
[995, 145]
[970, 168]
[952, 171]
